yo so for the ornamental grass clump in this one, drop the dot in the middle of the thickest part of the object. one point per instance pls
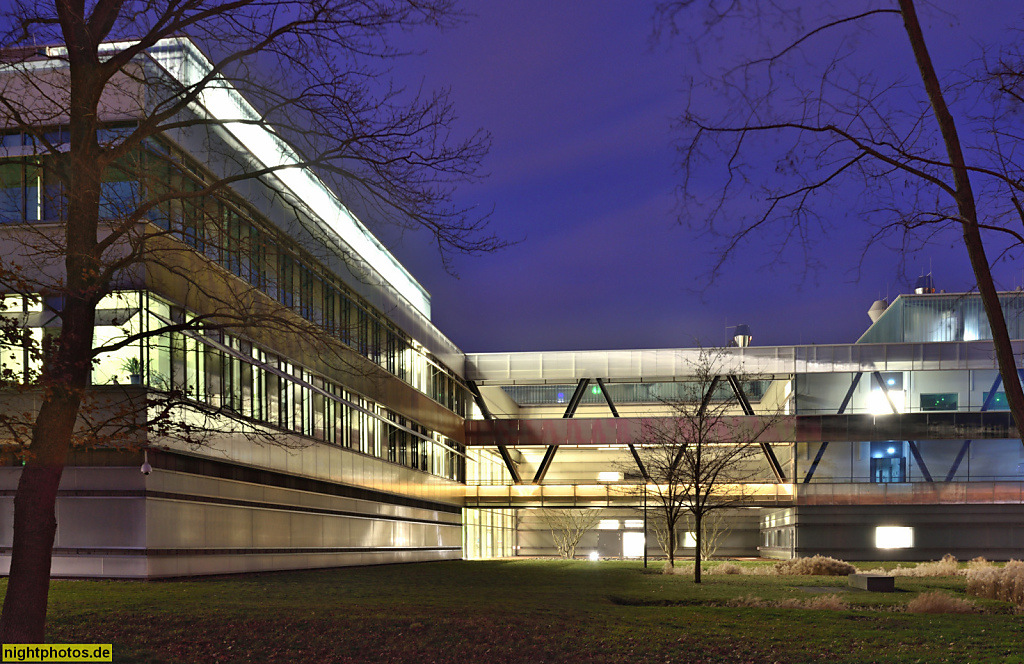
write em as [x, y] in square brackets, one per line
[822, 603]
[947, 566]
[940, 602]
[1003, 583]
[814, 566]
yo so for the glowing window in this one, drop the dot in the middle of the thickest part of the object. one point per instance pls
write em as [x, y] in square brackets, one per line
[879, 405]
[609, 476]
[894, 537]
[608, 524]
[632, 545]
[634, 523]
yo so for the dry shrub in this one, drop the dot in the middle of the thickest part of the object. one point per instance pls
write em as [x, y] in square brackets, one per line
[1004, 583]
[822, 603]
[939, 602]
[948, 566]
[978, 563]
[827, 603]
[759, 570]
[726, 568]
[814, 566]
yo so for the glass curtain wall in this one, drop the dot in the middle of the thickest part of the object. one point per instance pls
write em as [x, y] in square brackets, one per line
[487, 533]
[230, 373]
[227, 231]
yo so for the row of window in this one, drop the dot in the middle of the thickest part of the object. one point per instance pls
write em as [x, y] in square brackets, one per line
[223, 229]
[631, 393]
[229, 373]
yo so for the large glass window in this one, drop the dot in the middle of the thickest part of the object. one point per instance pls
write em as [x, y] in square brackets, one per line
[941, 401]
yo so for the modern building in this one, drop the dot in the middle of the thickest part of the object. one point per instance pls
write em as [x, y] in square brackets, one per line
[331, 423]
[317, 417]
[898, 446]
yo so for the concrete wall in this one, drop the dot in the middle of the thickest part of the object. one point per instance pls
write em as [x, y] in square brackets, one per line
[739, 538]
[116, 522]
[966, 531]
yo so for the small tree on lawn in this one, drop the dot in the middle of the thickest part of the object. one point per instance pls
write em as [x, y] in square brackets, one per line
[713, 533]
[699, 457]
[568, 526]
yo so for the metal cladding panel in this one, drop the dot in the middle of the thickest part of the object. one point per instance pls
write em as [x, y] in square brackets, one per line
[604, 432]
[679, 363]
[629, 431]
[531, 432]
[558, 364]
[580, 432]
[625, 363]
[555, 432]
[506, 432]
[668, 363]
[585, 364]
[791, 428]
[524, 366]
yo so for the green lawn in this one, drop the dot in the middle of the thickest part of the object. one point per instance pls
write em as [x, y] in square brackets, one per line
[517, 611]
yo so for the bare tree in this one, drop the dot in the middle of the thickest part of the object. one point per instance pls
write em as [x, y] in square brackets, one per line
[713, 531]
[568, 526]
[100, 109]
[803, 114]
[699, 458]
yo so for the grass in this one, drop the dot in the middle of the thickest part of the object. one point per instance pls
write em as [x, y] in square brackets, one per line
[521, 611]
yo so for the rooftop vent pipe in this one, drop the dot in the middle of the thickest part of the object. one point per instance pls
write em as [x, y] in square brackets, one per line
[878, 308]
[742, 337]
[925, 284]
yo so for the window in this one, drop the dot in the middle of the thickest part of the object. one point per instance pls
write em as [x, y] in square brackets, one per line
[20, 182]
[894, 537]
[940, 401]
[888, 463]
[998, 401]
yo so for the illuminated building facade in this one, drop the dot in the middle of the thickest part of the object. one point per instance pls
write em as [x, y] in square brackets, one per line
[323, 410]
[341, 427]
[898, 446]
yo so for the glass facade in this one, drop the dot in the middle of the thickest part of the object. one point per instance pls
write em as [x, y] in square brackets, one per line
[943, 317]
[909, 391]
[626, 393]
[229, 373]
[487, 533]
[224, 229]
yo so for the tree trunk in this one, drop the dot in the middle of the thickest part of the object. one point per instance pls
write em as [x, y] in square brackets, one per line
[968, 216]
[670, 542]
[24, 611]
[698, 519]
[66, 367]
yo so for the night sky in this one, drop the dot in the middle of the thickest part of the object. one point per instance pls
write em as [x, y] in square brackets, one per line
[581, 103]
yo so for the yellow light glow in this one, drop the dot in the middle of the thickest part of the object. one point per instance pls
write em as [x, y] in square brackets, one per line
[894, 537]
[608, 524]
[632, 545]
[609, 476]
[879, 405]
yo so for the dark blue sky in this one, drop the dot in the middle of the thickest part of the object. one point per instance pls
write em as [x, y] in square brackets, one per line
[581, 104]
